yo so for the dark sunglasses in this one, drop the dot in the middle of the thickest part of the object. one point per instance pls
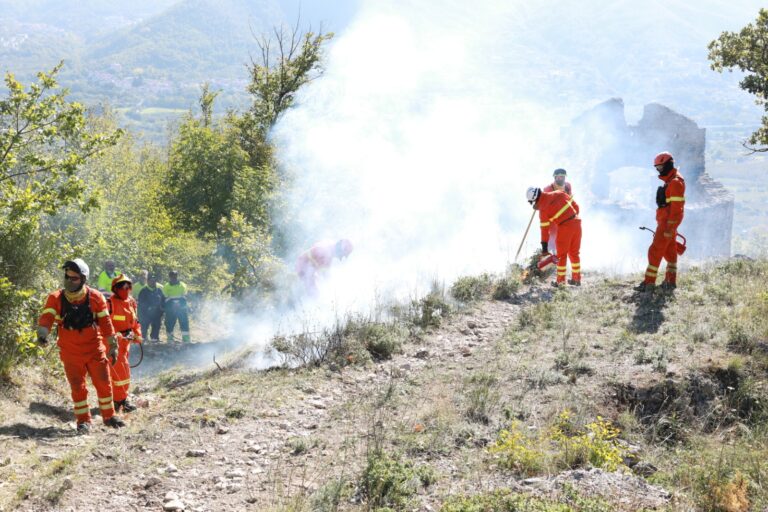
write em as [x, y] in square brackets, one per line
[68, 277]
[122, 285]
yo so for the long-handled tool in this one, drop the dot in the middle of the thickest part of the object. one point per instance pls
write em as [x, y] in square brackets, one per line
[679, 247]
[525, 235]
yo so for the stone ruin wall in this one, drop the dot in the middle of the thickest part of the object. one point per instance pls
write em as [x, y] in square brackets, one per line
[601, 141]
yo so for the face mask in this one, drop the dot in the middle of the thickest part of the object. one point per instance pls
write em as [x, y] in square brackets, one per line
[122, 293]
[560, 180]
[72, 286]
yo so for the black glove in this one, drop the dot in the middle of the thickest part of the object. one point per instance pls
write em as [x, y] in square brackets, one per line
[42, 335]
[42, 340]
[544, 247]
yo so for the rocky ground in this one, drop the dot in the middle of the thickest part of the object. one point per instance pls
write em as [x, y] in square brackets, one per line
[298, 439]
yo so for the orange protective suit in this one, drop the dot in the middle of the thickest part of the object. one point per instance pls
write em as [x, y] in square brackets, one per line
[559, 209]
[82, 351]
[553, 187]
[670, 200]
[313, 261]
[126, 323]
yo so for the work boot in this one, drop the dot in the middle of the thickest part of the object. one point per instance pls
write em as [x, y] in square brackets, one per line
[125, 405]
[114, 422]
[574, 283]
[667, 286]
[557, 284]
[83, 429]
[644, 287]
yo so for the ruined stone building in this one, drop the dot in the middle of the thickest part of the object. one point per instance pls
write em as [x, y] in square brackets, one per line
[600, 143]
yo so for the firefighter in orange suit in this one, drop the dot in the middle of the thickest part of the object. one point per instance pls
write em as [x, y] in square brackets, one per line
[81, 316]
[558, 208]
[670, 202]
[123, 312]
[559, 183]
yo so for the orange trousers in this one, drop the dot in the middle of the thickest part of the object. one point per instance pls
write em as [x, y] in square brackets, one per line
[121, 370]
[76, 369]
[568, 248]
[662, 247]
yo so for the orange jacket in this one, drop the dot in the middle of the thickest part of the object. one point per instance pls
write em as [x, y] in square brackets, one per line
[555, 208]
[552, 187]
[124, 317]
[670, 215]
[86, 341]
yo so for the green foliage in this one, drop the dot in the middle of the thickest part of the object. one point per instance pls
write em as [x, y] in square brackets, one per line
[747, 50]
[211, 176]
[481, 390]
[382, 340]
[506, 501]
[564, 445]
[472, 288]
[44, 142]
[388, 481]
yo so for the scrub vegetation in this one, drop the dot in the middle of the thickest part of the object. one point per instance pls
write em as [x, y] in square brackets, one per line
[547, 401]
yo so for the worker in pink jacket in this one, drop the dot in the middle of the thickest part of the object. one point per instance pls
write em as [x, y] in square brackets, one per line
[318, 259]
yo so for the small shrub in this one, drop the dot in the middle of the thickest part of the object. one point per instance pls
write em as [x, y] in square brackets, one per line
[482, 397]
[235, 412]
[430, 311]
[730, 495]
[506, 286]
[518, 452]
[471, 288]
[388, 482]
[331, 495]
[740, 340]
[382, 340]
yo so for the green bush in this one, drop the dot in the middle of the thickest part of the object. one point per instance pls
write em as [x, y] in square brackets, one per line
[506, 501]
[388, 481]
[382, 340]
[471, 288]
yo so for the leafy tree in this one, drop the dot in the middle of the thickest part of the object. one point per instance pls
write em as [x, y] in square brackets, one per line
[747, 50]
[44, 141]
[211, 176]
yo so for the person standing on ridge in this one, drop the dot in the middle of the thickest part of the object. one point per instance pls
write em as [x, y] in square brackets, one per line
[104, 281]
[560, 209]
[141, 282]
[176, 307]
[559, 183]
[122, 311]
[80, 312]
[670, 206]
[318, 259]
[151, 305]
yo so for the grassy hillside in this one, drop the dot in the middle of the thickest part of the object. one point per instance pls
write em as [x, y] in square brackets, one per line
[590, 399]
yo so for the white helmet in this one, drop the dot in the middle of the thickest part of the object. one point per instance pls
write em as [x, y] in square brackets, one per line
[79, 266]
[532, 194]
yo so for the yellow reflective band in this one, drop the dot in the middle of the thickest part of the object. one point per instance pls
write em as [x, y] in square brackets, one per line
[105, 407]
[671, 271]
[561, 273]
[675, 199]
[651, 267]
[119, 317]
[105, 399]
[567, 205]
[80, 404]
[121, 382]
[81, 411]
[101, 314]
[651, 274]
[575, 265]
[58, 317]
[545, 224]
[561, 268]
[49, 310]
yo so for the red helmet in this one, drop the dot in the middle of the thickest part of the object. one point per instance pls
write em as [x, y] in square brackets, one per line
[663, 158]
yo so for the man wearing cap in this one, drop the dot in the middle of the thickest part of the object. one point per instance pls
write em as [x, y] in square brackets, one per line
[81, 314]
